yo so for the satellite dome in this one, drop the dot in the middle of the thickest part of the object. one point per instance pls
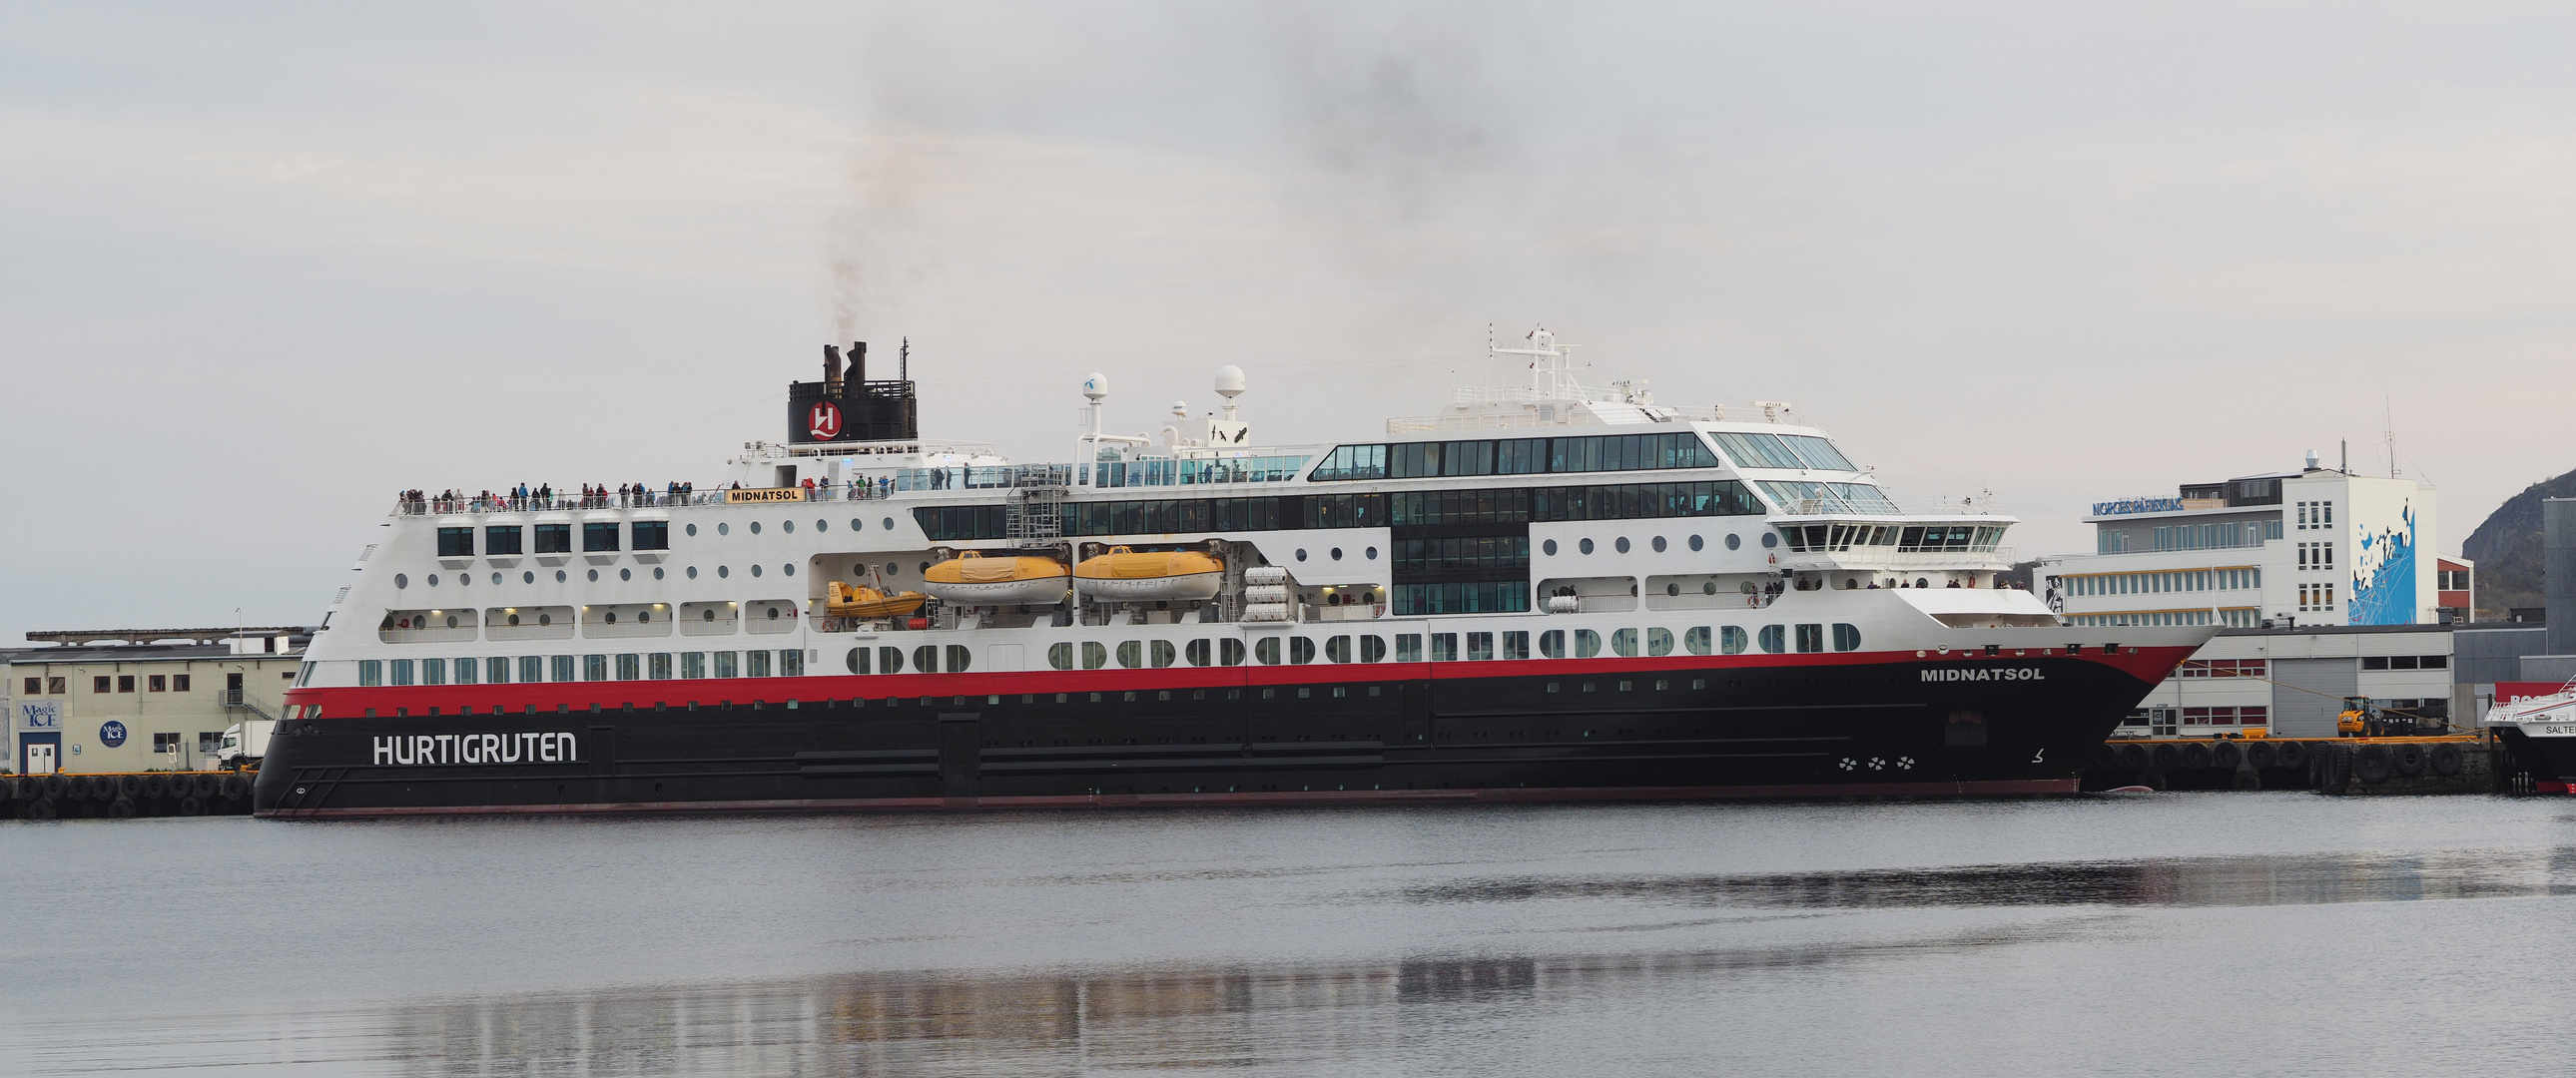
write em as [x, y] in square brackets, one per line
[1229, 381]
[1095, 385]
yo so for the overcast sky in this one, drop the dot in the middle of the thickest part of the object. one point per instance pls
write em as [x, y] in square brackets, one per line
[261, 266]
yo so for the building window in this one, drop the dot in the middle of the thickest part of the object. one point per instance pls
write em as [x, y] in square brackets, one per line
[125, 683]
[35, 686]
[156, 683]
[165, 743]
[178, 683]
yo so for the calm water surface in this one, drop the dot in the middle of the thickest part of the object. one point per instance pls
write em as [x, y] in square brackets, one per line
[2184, 934]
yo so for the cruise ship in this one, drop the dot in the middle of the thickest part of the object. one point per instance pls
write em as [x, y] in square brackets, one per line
[1547, 591]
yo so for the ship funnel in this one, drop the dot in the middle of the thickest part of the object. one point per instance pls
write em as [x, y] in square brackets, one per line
[858, 361]
[831, 371]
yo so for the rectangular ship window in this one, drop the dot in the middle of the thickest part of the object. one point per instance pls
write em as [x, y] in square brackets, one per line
[1408, 647]
[466, 669]
[652, 535]
[630, 667]
[502, 539]
[401, 671]
[1480, 646]
[725, 666]
[456, 542]
[657, 666]
[755, 664]
[594, 668]
[1516, 645]
[554, 538]
[791, 663]
[371, 673]
[563, 667]
[693, 664]
[1444, 647]
[599, 535]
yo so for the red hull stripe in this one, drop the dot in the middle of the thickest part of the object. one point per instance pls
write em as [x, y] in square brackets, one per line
[1998, 788]
[2148, 665]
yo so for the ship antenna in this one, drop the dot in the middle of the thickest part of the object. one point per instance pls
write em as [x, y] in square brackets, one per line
[903, 361]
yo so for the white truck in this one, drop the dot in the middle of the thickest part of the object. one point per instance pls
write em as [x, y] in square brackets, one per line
[244, 743]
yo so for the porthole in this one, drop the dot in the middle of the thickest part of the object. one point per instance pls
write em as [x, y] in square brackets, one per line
[788, 526]
[1621, 543]
[1372, 553]
[693, 529]
[657, 572]
[773, 613]
[464, 580]
[1337, 556]
[545, 619]
[1922, 583]
[1770, 539]
[1709, 588]
[693, 572]
[643, 616]
[893, 569]
[822, 525]
[433, 580]
[1672, 589]
[1734, 541]
[1301, 554]
[755, 527]
[1549, 547]
[1585, 546]
[496, 580]
[529, 577]
[514, 619]
[626, 574]
[889, 523]
[858, 525]
[451, 621]
[925, 567]
[724, 529]
[789, 569]
[1659, 544]
[1696, 543]
[723, 571]
[609, 619]
[560, 577]
[755, 569]
[594, 576]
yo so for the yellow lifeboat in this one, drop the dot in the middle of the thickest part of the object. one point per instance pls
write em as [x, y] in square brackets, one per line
[1123, 575]
[849, 602]
[975, 580]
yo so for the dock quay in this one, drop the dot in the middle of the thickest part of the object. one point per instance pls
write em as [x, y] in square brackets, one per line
[125, 795]
[2468, 763]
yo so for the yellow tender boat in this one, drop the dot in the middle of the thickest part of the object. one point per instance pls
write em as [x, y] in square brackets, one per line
[849, 602]
[1123, 575]
[975, 580]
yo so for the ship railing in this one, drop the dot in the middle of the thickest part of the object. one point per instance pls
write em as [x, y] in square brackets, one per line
[597, 630]
[433, 635]
[1862, 559]
[528, 632]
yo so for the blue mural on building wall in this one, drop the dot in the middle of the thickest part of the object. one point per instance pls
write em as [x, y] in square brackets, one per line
[2383, 577]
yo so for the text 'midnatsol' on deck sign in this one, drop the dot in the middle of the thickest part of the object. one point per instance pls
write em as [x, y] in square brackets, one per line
[524, 747]
[765, 494]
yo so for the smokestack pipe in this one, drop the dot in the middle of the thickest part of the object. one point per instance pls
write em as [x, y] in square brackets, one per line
[831, 371]
[858, 363]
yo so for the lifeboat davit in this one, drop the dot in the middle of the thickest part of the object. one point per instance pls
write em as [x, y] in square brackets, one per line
[974, 580]
[849, 602]
[1123, 575]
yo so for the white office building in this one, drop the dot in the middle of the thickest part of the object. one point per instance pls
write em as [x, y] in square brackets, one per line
[2315, 546]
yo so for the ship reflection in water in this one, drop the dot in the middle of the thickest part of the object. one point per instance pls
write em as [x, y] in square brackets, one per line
[1643, 1012]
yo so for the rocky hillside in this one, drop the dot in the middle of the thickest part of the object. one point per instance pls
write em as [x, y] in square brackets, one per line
[2506, 549]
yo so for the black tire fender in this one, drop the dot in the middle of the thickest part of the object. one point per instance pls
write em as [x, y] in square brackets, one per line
[2106, 756]
[2259, 754]
[2409, 759]
[191, 806]
[236, 786]
[2448, 759]
[2133, 756]
[2195, 755]
[2226, 754]
[2167, 756]
[2291, 753]
[120, 809]
[2373, 764]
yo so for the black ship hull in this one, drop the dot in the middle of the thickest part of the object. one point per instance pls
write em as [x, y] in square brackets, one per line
[1608, 729]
